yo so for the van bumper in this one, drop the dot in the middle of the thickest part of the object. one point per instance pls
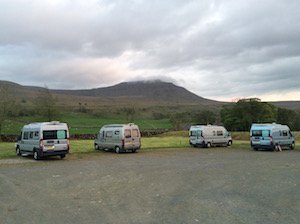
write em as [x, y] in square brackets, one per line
[259, 146]
[53, 153]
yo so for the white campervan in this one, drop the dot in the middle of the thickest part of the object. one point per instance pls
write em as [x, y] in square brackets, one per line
[270, 136]
[44, 139]
[118, 137]
[209, 135]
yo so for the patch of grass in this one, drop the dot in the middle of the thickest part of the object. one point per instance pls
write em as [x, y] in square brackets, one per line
[7, 150]
[80, 147]
[165, 142]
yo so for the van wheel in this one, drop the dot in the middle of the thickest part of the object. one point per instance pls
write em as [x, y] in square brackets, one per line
[36, 155]
[229, 143]
[117, 149]
[208, 145]
[18, 151]
[62, 156]
[97, 147]
[134, 150]
[292, 146]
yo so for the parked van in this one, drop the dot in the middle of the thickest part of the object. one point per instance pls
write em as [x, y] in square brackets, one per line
[269, 136]
[209, 135]
[44, 139]
[119, 138]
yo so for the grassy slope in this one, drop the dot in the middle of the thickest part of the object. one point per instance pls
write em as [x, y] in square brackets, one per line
[84, 123]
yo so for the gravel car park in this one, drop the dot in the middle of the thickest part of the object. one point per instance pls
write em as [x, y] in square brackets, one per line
[218, 185]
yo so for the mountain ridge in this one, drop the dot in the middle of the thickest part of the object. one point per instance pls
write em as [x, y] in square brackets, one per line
[151, 91]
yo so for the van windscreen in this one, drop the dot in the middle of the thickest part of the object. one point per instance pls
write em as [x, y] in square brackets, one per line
[195, 133]
[55, 134]
[261, 133]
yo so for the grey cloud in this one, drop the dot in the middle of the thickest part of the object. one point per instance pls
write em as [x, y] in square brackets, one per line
[243, 47]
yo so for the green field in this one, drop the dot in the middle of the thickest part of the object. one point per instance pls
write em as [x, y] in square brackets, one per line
[85, 124]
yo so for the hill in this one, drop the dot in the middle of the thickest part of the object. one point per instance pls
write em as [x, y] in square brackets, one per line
[150, 93]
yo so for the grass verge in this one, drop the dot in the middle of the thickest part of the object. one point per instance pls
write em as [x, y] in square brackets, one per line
[79, 147]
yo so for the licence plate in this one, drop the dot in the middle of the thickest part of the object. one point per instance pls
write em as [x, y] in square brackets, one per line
[49, 147]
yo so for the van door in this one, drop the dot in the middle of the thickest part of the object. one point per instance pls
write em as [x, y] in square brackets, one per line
[128, 139]
[285, 138]
[135, 135]
[55, 140]
[25, 146]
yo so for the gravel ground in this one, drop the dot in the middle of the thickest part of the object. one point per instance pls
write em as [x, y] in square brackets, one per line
[214, 185]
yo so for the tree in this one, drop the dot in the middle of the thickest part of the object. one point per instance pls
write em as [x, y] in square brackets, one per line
[288, 117]
[240, 116]
[205, 117]
[130, 113]
[45, 105]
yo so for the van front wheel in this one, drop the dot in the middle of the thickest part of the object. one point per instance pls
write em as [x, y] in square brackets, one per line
[229, 143]
[18, 151]
[36, 155]
[292, 146]
[208, 145]
[117, 149]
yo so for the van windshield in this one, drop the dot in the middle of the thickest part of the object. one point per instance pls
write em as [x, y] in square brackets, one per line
[196, 133]
[55, 134]
[261, 133]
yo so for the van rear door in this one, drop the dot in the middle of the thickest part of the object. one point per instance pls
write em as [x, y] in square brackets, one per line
[55, 140]
[135, 135]
[128, 139]
[261, 137]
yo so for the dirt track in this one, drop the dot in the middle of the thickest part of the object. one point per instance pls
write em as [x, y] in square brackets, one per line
[168, 186]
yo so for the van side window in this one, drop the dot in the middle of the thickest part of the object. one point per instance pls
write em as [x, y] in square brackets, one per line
[219, 133]
[135, 133]
[127, 133]
[109, 134]
[214, 133]
[36, 134]
[25, 135]
[284, 133]
[117, 132]
[31, 135]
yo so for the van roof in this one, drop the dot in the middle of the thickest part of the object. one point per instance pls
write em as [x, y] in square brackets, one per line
[204, 126]
[265, 126]
[44, 124]
[119, 125]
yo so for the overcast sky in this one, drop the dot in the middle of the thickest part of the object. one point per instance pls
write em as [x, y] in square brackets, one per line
[222, 49]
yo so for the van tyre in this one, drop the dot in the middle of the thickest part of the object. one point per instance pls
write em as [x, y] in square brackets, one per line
[292, 146]
[36, 155]
[18, 151]
[208, 145]
[134, 151]
[229, 143]
[97, 147]
[62, 156]
[117, 149]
